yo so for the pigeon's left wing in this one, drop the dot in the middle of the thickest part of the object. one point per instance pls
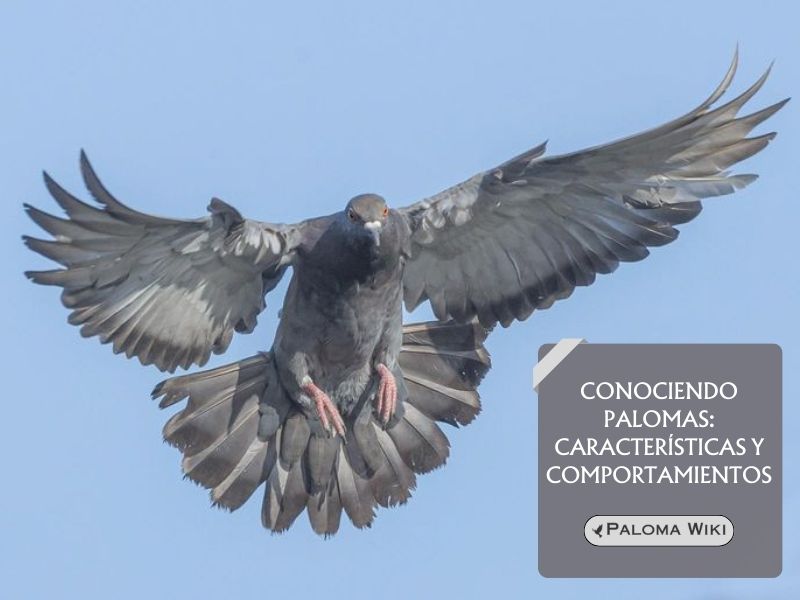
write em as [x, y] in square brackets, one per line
[522, 235]
[168, 291]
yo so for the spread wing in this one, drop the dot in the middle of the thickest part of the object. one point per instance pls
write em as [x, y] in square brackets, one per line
[167, 291]
[519, 237]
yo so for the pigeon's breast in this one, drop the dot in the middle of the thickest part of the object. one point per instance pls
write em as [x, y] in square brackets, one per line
[341, 302]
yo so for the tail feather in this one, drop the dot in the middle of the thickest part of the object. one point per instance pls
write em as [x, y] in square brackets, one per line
[457, 369]
[293, 499]
[233, 491]
[211, 465]
[325, 509]
[273, 492]
[321, 458]
[294, 440]
[422, 443]
[216, 398]
[443, 364]
[369, 449]
[394, 480]
[198, 429]
[354, 492]
[204, 386]
[442, 403]
[285, 495]
[239, 429]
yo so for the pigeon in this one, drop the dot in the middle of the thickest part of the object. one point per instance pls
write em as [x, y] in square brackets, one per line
[344, 410]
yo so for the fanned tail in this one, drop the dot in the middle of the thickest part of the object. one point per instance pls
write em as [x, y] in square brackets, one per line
[239, 429]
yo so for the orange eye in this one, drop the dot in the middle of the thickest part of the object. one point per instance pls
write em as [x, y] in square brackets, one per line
[351, 214]
[385, 211]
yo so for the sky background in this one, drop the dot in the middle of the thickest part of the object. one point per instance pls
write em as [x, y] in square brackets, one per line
[286, 110]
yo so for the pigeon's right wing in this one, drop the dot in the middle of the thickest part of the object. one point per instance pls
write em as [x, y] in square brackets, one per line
[167, 291]
[522, 235]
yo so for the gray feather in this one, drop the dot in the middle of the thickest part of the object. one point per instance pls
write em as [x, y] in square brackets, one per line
[325, 510]
[368, 447]
[321, 460]
[394, 481]
[354, 492]
[294, 440]
[212, 464]
[249, 473]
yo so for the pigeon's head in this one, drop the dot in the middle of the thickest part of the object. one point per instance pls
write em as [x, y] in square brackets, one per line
[367, 213]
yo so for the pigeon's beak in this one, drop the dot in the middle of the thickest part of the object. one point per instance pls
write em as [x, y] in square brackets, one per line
[374, 228]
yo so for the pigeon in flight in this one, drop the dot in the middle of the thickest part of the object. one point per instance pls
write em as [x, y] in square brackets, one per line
[341, 413]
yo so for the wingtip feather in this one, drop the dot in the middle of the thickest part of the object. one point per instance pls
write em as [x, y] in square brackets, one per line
[726, 80]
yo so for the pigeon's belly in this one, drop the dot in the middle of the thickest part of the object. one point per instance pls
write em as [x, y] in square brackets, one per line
[337, 335]
[352, 328]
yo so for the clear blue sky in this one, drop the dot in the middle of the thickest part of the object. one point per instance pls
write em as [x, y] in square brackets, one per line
[286, 111]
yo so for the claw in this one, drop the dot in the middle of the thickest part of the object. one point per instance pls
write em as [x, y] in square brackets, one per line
[327, 412]
[386, 396]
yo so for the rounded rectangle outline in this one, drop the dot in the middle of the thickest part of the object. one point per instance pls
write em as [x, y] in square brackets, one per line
[733, 532]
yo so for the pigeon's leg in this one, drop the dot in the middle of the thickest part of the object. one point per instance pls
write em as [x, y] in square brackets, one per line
[326, 410]
[386, 397]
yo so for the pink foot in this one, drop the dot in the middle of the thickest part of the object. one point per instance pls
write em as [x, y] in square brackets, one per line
[326, 410]
[386, 398]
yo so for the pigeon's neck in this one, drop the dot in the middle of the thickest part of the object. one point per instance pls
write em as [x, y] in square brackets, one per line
[344, 259]
[361, 261]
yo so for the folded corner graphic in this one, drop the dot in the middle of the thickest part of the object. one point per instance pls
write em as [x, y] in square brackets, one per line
[554, 358]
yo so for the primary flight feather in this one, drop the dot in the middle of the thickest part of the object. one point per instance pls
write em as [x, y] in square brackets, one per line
[342, 412]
